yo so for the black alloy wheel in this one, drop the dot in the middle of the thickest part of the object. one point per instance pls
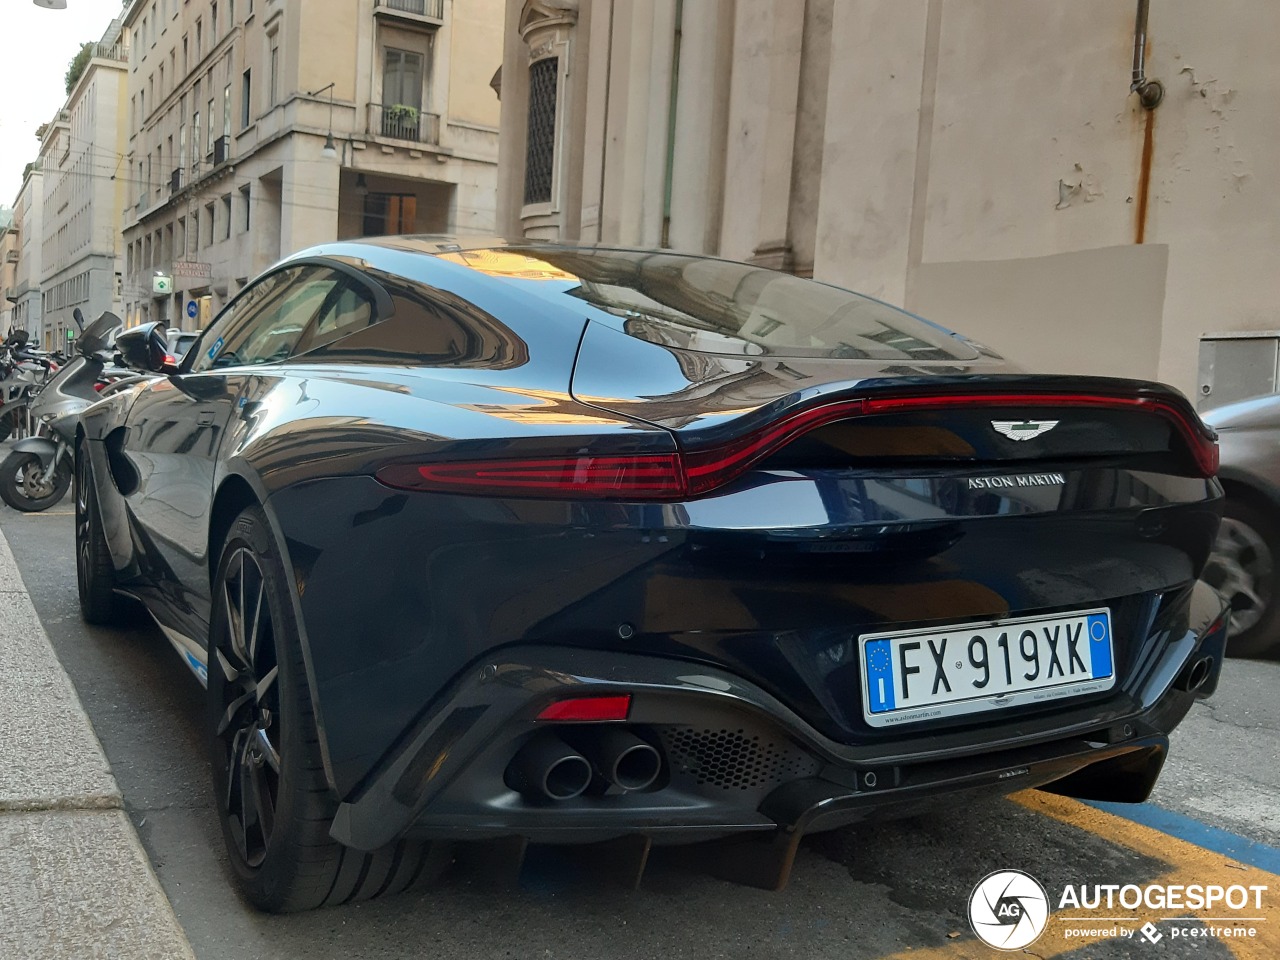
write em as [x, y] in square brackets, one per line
[273, 799]
[245, 655]
[95, 574]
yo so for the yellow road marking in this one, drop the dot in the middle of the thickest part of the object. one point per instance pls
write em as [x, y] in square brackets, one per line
[1187, 864]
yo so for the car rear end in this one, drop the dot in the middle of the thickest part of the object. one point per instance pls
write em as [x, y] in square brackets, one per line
[812, 589]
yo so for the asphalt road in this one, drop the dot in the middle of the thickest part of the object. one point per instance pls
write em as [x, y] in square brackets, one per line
[866, 892]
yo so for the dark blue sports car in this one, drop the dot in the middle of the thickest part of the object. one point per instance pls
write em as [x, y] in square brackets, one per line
[554, 544]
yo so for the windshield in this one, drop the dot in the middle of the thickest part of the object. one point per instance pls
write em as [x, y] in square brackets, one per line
[97, 334]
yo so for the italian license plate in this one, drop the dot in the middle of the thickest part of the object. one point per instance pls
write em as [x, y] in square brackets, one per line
[926, 674]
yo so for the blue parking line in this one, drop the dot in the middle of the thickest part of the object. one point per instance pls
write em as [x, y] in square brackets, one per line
[1185, 828]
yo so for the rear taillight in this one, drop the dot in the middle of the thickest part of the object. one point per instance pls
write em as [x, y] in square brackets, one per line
[696, 472]
[619, 478]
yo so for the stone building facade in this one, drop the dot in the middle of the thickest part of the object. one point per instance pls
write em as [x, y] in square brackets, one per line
[987, 164]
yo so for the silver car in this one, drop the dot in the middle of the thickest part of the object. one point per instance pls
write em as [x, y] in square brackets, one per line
[1244, 565]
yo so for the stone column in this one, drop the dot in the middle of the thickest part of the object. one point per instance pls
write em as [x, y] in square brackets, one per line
[701, 128]
[765, 90]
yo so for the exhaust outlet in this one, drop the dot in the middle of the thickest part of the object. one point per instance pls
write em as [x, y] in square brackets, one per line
[1194, 677]
[621, 757]
[547, 768]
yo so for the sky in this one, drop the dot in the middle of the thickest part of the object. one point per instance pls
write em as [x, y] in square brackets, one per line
[35, 47]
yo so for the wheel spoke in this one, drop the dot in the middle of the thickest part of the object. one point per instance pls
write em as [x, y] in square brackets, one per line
[263, 806]
[235, 627]
[264, 685]
[234, 763]
[256, 621]
[229, 714]
[248, 803]
[229, 670]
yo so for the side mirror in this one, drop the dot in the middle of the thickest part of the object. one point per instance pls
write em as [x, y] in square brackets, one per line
[145, 349]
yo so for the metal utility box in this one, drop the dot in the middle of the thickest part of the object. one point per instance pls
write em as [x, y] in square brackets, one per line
[1238, 365]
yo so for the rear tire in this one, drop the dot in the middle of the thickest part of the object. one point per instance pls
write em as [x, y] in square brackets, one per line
[273, 799]
[95, 573]
[21, 493]
[1245, 568]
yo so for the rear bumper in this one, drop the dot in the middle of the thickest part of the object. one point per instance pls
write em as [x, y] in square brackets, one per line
[736, 760]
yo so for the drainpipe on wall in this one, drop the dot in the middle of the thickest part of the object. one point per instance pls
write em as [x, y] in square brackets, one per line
[1150, 92]
[671, 129]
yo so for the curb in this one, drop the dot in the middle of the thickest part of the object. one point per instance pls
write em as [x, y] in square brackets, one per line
[77, 880]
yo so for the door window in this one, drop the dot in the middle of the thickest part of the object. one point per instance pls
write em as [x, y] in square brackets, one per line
[265, 322]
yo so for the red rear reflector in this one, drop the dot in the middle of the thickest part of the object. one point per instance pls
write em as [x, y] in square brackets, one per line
[588, 708]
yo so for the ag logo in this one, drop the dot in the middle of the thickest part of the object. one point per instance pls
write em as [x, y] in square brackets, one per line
[1008, 910]
[1023, 429]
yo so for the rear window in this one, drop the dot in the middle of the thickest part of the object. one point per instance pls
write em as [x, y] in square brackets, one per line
[718, 306]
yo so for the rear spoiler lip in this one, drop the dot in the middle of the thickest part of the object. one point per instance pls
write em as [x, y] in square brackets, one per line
[714, 461]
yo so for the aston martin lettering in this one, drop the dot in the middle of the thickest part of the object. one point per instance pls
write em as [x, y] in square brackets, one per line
[1023, 429]
[1019, 480]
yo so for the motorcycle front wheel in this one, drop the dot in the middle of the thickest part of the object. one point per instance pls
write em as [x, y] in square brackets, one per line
[22, 484]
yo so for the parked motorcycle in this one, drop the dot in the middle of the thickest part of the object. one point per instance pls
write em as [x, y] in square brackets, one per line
[23, 371]
[37, 472]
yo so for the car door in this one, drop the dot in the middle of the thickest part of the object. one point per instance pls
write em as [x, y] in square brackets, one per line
[178, 425]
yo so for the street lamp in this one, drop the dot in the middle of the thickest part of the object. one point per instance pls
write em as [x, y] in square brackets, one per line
[330, 151]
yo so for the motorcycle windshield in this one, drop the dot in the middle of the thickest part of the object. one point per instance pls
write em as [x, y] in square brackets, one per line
[97, 334]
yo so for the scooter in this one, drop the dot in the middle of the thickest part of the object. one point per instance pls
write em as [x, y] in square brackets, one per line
[37, 472]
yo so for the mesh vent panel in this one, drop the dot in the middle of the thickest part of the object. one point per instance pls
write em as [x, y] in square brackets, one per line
[734, 759]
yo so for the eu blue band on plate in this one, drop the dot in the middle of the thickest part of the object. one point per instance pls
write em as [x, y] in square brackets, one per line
[879, 657]
[1098, 627]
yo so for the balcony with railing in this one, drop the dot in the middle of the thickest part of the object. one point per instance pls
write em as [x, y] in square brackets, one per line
[430, 12]
[118, 51]
[399, 122]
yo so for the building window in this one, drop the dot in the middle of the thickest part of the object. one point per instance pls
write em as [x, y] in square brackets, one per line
[540, 144]
[248, 206]
[199, 39]
[226, 217]
[389, 213]
[208, 143]
[208, 215]
[246, 96]
[213, 23]
[226, 111]
[195, 139]
[402, 78]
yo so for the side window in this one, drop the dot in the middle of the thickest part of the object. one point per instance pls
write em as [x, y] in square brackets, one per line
[347, 309]
[265, 323]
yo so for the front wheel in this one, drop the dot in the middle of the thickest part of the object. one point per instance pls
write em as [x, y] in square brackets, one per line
[24, 487]
[272, 796]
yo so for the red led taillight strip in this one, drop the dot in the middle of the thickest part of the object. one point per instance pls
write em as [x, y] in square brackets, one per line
[696, 472]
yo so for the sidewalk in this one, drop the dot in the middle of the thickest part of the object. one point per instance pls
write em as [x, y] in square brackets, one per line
[75, 881]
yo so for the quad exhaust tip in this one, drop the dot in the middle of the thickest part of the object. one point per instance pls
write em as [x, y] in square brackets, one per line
[549, 768]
